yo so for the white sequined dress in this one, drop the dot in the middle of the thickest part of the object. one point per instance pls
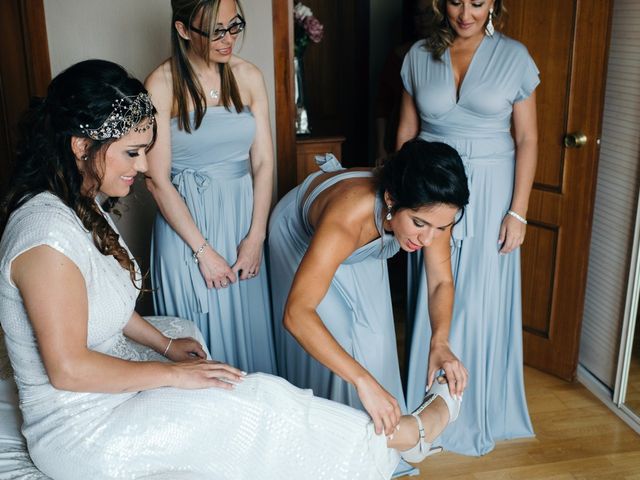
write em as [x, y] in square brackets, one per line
[264, 429]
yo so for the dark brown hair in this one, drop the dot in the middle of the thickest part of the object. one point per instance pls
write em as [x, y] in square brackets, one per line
[83, 94]
[185, 83]
[424, 173]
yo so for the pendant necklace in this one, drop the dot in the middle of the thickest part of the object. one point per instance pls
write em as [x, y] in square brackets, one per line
[215, 94]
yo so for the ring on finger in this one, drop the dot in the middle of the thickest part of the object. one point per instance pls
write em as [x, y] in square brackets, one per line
[224, 284]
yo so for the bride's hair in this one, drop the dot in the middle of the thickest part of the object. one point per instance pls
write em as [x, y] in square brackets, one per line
[83, 94]
[424, 173]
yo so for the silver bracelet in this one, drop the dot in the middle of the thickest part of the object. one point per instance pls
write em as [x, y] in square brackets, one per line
[517, 217]
[164, 354]
[198, 252]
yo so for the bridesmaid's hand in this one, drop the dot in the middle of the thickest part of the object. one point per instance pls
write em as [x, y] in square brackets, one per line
[512, 233]
[442, 358]
[205, 374]
[185, 349]
[249, 257]
[215, 270]
[379, 404]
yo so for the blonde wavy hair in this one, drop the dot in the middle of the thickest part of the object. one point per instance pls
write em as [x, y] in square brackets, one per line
[441, 35]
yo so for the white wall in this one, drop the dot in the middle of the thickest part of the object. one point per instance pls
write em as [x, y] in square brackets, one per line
[136, 34]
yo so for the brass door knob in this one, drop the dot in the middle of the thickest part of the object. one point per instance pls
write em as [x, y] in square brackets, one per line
[575, 140]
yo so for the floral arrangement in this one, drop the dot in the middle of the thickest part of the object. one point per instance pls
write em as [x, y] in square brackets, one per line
[307, 28]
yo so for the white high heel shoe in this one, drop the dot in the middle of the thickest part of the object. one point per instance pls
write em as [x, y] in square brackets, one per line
[423, 449]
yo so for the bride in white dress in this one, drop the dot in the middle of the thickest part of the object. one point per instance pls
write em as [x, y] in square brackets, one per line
[94, 406]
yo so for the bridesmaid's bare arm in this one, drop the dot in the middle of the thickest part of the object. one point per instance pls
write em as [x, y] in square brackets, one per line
[409, 122]
[262, 166]
[336, 236]
[525, 129]
[440, 290]
[213, 267]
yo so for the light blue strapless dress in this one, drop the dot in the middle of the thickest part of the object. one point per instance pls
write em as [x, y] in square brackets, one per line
[486, 331]
[212, 171]
[356, 309]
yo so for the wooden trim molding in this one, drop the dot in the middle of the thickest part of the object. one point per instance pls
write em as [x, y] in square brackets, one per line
[25, 69]
[36, 45]
[284, 95]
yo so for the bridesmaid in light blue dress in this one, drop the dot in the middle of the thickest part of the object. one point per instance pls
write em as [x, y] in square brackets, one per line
[469, 94]
[356, 308]
[211, 175]
[328, 242]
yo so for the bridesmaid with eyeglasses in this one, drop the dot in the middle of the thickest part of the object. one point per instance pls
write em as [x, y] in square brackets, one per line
[210, 173]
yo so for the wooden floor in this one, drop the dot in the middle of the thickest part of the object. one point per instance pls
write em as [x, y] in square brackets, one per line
[577, 437]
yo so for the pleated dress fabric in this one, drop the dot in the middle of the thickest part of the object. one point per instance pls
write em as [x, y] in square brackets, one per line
[486, 330]
[357, 307]
[265, 428]
[211, 170]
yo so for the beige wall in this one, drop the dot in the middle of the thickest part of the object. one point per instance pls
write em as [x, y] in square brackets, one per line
[135, 34]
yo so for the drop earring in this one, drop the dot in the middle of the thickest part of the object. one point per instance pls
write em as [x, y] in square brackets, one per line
[489, 29]
[389, 215]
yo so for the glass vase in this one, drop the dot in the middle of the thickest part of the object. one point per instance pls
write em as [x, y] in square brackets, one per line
[302, 119]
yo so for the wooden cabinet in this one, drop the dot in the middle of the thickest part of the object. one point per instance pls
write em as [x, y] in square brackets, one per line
[308, 147]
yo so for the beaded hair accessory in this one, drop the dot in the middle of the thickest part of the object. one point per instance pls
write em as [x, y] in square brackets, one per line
[127, 113]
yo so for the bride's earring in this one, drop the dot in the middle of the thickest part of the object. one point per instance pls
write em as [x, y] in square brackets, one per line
[489, 29]
[389, 214]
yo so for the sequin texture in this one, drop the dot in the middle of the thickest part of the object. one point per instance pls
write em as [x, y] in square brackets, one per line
[263, 429]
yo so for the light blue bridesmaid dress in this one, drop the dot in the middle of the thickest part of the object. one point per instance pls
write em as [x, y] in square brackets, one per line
[357, 307]
[210, 167]
[486, 330]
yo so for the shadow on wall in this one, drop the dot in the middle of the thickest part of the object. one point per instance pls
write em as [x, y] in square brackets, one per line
[135, 224]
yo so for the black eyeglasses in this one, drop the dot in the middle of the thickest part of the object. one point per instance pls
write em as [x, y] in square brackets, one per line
[219, 33]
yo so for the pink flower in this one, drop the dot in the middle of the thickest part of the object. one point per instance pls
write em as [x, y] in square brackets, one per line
[314, 29]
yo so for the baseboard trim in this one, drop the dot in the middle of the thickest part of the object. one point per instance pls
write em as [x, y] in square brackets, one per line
[605, 395]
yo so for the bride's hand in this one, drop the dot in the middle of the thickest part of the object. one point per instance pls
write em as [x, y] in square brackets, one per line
[379, 404]
[205, 374]
[184, 349]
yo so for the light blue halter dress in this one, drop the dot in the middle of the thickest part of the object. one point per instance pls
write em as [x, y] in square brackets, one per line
[210, 167]
[486, 331]
[357, 307]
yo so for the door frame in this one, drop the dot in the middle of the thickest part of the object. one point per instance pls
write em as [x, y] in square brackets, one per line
[34, 30]
[36, 63]
[284, 96]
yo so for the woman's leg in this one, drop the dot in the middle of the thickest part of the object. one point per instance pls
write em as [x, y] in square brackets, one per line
[435, 418]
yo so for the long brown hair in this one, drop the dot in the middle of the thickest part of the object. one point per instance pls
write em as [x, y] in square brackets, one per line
[441, 35]
[185, 83]
[81, 95]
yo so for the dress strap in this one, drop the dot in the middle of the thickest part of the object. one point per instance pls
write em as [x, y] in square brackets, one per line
[328, 163]
[387, 246]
